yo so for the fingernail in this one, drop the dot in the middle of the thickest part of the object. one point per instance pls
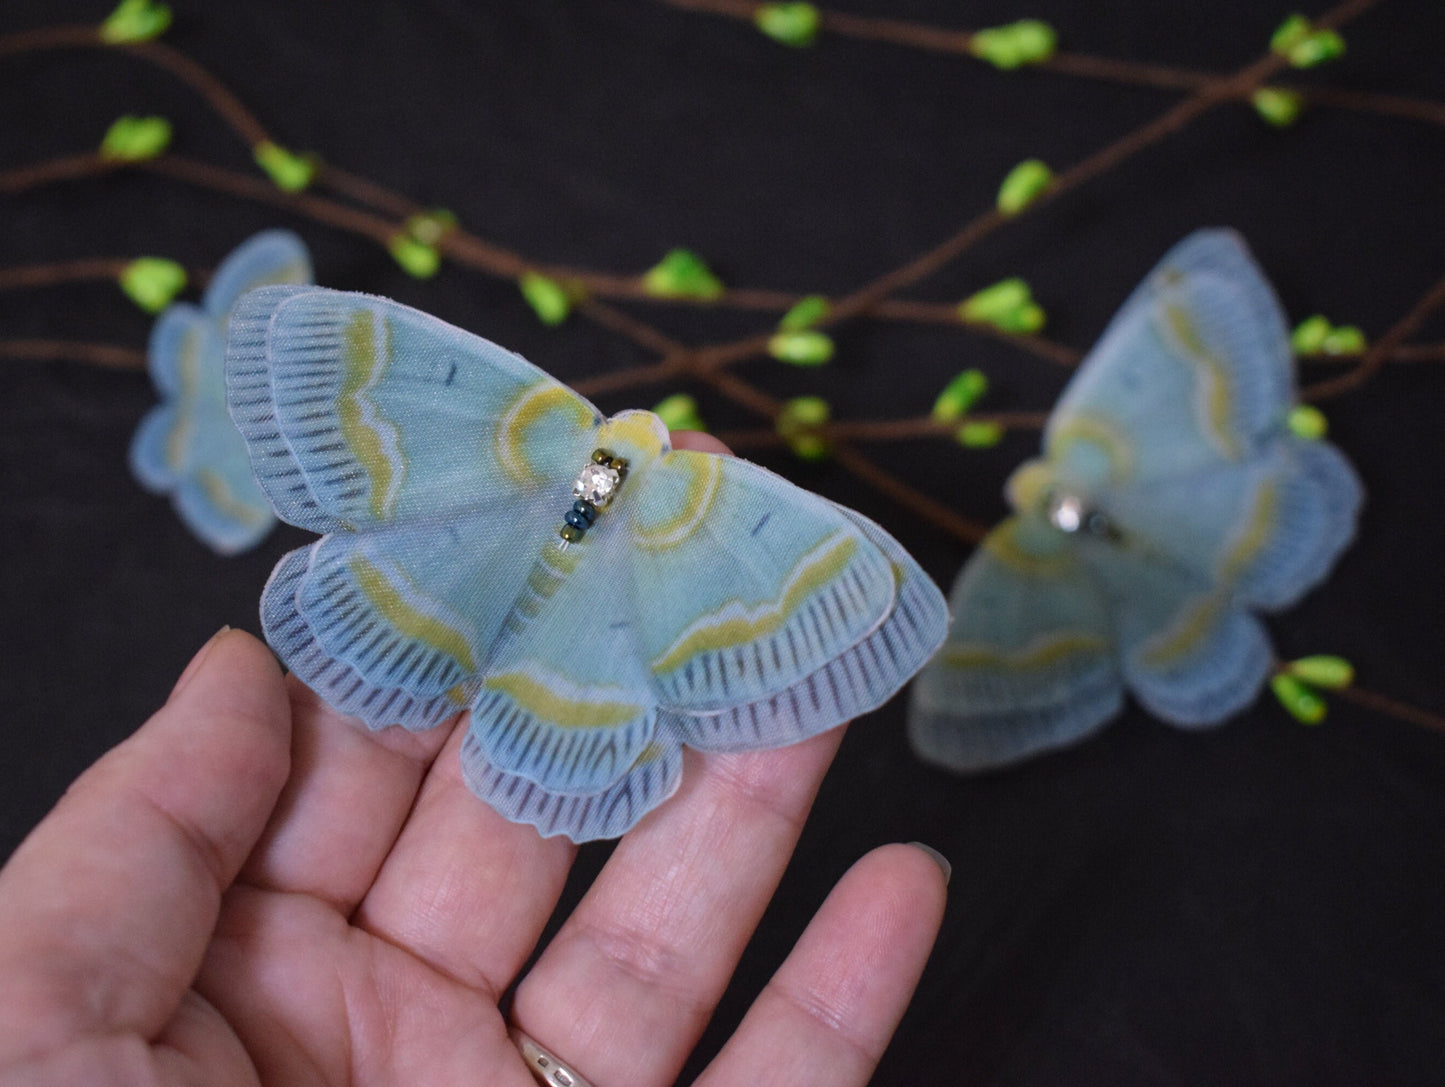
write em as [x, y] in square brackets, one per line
[195, 665]
[938, 859]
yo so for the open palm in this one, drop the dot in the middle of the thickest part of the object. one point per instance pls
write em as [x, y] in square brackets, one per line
[252, 889]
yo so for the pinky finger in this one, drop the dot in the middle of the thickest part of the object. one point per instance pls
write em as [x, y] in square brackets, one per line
[828, 1013]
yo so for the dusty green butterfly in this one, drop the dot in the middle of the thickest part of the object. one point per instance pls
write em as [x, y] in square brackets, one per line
[595, 598]
[1171, 501]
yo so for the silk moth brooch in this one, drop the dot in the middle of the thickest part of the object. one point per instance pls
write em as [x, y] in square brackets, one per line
[1171, 502]
[187, 446]
[595, 598]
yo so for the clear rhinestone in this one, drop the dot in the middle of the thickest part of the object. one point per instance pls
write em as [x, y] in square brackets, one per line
[596, 484]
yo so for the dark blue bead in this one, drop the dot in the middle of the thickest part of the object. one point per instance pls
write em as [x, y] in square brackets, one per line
[576, 520]
[586, 509]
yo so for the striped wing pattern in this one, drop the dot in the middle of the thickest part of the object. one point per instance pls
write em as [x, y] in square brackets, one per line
[712, 604]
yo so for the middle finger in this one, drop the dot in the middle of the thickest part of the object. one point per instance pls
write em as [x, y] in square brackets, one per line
[626, 987]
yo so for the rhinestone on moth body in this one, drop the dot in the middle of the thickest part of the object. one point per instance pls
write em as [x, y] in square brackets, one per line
[596, 484]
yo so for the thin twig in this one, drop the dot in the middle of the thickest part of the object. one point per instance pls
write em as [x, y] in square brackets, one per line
[105, 355]
[1392, 707]
[1381, 349]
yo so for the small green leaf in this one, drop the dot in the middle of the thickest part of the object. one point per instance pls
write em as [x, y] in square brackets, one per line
[1023, 185]
[1026, 319]
[429, 227]
[1028, 41]
[415, 258]
[980, 434]
[799, 422]
[548, 298]
[1295, 29]
[959, 396]
[135, 21]
[1308, 422]
[791, 24]
[135, 139]
[805, 313]
[1278, 106]
[679, 412]
[1007, 305]
[1303, 702]
[805, 348]
[290, 171]
[1303, 44]
[1332, 673]
[682, 274]
[1344, 340]
[1316, 336]
[152, 282]
[1309, 335]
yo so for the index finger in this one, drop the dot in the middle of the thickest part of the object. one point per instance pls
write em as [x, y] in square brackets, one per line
[110, 902]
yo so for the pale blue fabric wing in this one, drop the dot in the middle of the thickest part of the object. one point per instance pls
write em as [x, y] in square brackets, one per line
[360, 411]
[1194, 370]
[185, 355]
[856, 682]
[1030, 663]
[218, 498]
[188, 445]
[1189, 653]
[264, 259]
[566, 701]
[582, 817]
[1266, 530]
[395, 625]
[755, 596]
[159, 450]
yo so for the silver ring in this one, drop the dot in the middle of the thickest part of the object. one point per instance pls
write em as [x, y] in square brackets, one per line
[544, 1064]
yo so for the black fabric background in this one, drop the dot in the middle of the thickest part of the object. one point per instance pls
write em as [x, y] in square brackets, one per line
[1256, 904]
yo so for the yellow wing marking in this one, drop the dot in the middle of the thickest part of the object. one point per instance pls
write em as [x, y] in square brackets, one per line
[1216, 396]
[220, 495]
[704, 474]
[533, 404]
[1003, 544]
[1044, 651]
[565, 711]
[1259, 527]
[1173, 644]
[189, 371]
[371, 436]
[635, 435]
[735, 622]
[1086, 428]
[407, 619]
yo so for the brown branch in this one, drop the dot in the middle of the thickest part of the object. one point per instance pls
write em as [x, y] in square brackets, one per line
[366, 192]
[222, 180]
[1393, 707]
[216, 94]
[924, 506]
[67, 271]
[1381, 349]
[96, 354]
[69, 168]
[49, 37]
[959, 42]
[639, 332]
[1419, 352]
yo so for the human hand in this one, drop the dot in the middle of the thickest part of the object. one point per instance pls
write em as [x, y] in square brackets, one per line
[253, 888]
